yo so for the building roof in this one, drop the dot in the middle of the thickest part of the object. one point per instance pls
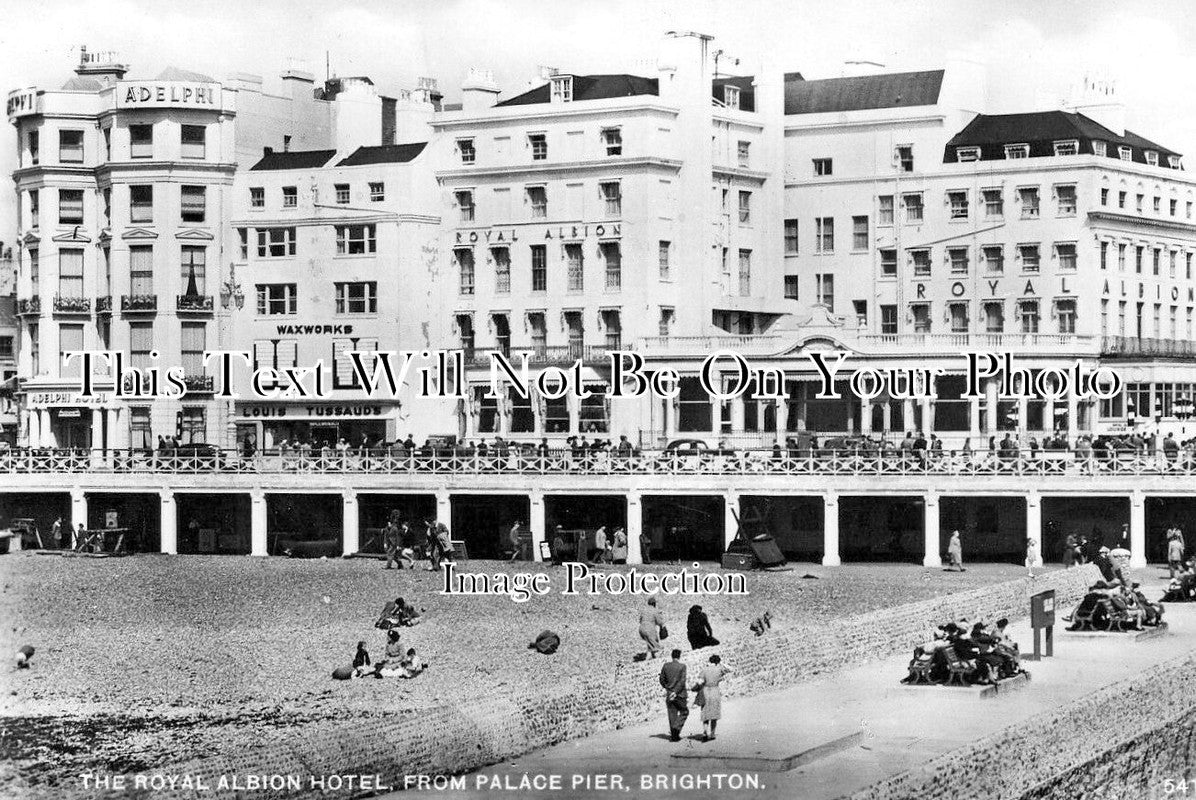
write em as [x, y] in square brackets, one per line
[176, 74]
[383, 154]
[591, 87]
[82, 83]
[295, 159]
[746, 86]
[1040, 130]
[893, 90]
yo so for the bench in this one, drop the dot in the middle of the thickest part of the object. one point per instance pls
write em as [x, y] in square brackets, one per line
[919, 669]
[958, 670]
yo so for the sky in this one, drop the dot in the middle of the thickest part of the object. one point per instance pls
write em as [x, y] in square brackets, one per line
[1034, 51]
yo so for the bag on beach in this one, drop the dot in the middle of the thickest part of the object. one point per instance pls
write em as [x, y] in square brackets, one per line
[664, 632]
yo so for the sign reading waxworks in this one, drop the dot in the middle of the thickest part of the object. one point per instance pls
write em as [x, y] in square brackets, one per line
[166, 94]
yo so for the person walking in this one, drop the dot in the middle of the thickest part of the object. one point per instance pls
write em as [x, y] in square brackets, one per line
[712, 697]
[619, 551]
[651, 623]
[514, 539]
[390, 542]
[1175, 551]
[955, 553]
[56, 533]
[601, 545]
[672, 678]
[1031, 555]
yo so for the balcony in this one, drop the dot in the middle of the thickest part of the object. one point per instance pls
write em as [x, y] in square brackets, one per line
[198, 383]
[954, 343]
[29, 305]
[72, 305]
[194, 303]
[139, 303]
[104, 304]
[1133, 347]
[539, 356]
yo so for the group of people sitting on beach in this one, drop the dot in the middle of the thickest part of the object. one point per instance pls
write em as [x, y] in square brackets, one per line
[399, 661]
[977, 652]
[1182, 587]
[1114, 605]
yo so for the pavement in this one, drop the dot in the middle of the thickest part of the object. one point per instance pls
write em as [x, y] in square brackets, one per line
[839, 733]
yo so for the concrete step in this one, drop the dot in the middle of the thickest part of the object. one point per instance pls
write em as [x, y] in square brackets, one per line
[779, 754]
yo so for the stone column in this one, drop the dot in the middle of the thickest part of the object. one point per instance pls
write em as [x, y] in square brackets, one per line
[930, 525]
[782, 407]
[865, 416]
[730, 522]
[1034, 523]
[78, 514]
[1073, 422]
[33, 431]
[830, 530]
[1137, 530]
[907, 415]
[535, 522]
[635, 528]
[351, 523]
[444, 508]
[118, 428]
[47, 434]
[257, 524]
[990, 400]
[974, 422]
[168, 538]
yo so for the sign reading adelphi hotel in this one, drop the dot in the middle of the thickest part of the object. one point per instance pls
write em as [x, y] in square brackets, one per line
[167, 94]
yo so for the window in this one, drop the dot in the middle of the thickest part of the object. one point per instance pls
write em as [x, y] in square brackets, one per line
[921, 315]
[33, 272]
[1174, 162]
[1157, 205]
[959, 204]
[141, 141]
[1139, 200]
[276, 298]
[465, 147]
[70, 147]
[141, 204]
[1100, 148]
[562, 88]
[290, 197]
[823, 166]
[613, 258]
[70, 273]
[35, 361]
[537, 196]
[34, 209]
[994, 203]
[1029, 313]
[958, 314]
[1121, 249]
[70, 206]
[107, 132]
[194, 201]
[377, 191]
[465, 270]
[194, 342]
[1066, 311]
[539, 268]
[905, 157]
[824, 235]
[1104, 255]
[1139, 252]
[612, 141]
[1173, 256]
[612, 196]
[539, 145]
[342, 193]
[539, 334]
[275, 242]
[967, 154]
[859, 233]
[1156, 256]
[1152, 158]
[1173, 206]
[141, 270]
[921, 261]
[731, 96]
[913, 207]
[958, 256]
[1121, 196]
[344, 371]
[502, 269]
[888, 263]
[360, 297]
[1017, 151]
[1067, 147]
[465, 204]
[575, 268]
[1125, 154]
[257, 197]
[34, 152]
[888, 320]
[354, 240]
[665, 253]
[1028, 255]
[243, 243]
[994, 316]
[791, 287]
[193, 141]
[861, 312]
[1066, 197]
[824, 290]
[6, 347]
[885, 210]
[745, 208]
[194, 265]
[70, 340]
[993, 257]
[743, 153]
[1104, 197]
[745, 273]
[1029, 199]
[1065, 253]
[790, 237]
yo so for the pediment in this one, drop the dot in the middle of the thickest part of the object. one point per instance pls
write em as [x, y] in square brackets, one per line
[194, 234]
[30, 238]
[138, 233]
[74, 236]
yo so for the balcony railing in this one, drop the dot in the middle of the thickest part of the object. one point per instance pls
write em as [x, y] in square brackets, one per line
[193, 302]
[104, 304]
[72, 305]
[1131, 347]
[955, 342]
[29, 305]
[198, 383]
[138, 303]
[557, 354]
[527, 461]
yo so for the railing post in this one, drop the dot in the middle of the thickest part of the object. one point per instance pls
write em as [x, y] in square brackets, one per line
[535, 521]
[168, 537]
[78, 514]
[1137, 530]
[635, 528]
[731, 512]
[1034, 524]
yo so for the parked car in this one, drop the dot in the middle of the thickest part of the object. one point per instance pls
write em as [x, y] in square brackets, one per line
[687, 446]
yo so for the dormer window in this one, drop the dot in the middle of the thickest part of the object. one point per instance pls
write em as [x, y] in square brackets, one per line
[1067, 147]
[1100, 148]
[1152, 158]
[967, 154]
[562, 88]
[731, 96]
[612, 140]
[465, 148]
[1174, 162]
[1017, 151]
[1125, 154]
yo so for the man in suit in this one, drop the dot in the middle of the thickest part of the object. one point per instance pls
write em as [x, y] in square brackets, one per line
[672, 678]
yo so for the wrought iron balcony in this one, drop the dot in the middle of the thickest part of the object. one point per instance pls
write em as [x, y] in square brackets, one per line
[198, 383]
[1133, 347]
[194, 302]
[539, 356]
[104, 304]
[72, 305]
[139, 303]
[29, 305]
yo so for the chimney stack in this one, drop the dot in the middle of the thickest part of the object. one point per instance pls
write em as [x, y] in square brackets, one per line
[479, 91]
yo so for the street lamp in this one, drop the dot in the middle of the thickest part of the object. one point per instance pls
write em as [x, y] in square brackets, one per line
[230, 290]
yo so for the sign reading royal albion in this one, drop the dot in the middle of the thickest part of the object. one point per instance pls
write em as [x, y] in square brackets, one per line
[168, 94]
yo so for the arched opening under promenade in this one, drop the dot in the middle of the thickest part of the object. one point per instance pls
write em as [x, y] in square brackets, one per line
[306, 525]
[684, 527]
[222, 523]
[483, 522]
[1096, 517]
[1161, 514]
[992, 528]
[374, 511]
[139, 515]
[887, 528]
[796, 523]
[41, 507]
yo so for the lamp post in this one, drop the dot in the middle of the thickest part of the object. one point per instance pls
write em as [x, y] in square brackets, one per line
[230, 295]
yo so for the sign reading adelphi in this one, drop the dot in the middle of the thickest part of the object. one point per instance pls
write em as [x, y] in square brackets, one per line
[166, 94]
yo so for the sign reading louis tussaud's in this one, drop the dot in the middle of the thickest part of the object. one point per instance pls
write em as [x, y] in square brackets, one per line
[166, 94]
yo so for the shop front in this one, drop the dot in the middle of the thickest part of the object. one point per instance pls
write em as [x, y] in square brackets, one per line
[69, 420]
[270, 426]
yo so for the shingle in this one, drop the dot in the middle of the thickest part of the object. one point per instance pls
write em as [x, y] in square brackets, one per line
[383, 154]
[1040, 130]
[831, 95]
[295, 159]
[176, 74]
[591, 87]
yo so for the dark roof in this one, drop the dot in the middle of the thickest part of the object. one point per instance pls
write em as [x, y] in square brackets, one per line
[383, 154]
[1040, 130]
[295, 159]
[747, 90]
[895, 90]
[590, 87]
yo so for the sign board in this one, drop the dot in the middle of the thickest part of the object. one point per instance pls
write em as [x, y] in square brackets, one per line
[68, 400]
[168, 94]
[22, 103]
[111, 519]
[1042, 609]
